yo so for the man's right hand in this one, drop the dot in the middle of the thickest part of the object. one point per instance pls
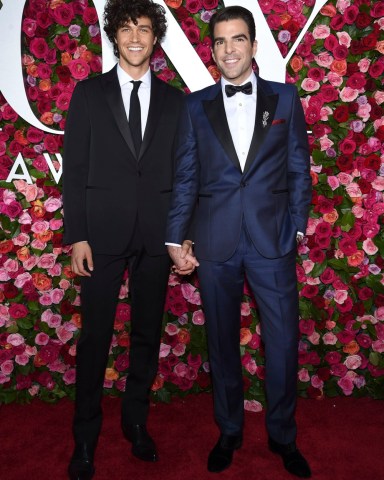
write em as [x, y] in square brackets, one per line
[81, 261]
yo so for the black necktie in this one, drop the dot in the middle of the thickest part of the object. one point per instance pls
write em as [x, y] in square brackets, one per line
[231, 90]
[135, 116]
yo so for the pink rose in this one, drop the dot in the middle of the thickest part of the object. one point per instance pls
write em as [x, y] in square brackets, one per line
[346, 384]
[41, 339]
[53, 320]
[79, 69]
[171, 329]
[57, 295]
[333, 182]
[22, 279]
[179, 349]
[7, 367]
[348, 94]
[252, 406]
[369, 247]
[303, 375]
[352, 362]
[22, 359]
[344, 38]
[56, 270]
[69, 376]
[251, 367]
[198, 317]
[317, 382]
[63, 334]
[310, 85]
[164, 350]
[15, 339]
[47, 260]
[378, 346]
[321, 31]
[329, 339]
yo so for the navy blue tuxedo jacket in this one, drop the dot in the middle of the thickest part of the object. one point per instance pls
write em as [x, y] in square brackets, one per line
[273, 193]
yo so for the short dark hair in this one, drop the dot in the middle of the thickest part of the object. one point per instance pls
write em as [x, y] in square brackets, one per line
[118, 12]
[233, 13]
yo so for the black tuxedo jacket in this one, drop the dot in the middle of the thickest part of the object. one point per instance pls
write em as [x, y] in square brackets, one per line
[106, 188]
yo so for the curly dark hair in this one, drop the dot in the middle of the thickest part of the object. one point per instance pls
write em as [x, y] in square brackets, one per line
[118, 12]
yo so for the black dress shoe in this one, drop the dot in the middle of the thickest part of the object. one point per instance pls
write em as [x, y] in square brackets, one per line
[143, 446]
[221, 455]
[293, 460]
[81, 464]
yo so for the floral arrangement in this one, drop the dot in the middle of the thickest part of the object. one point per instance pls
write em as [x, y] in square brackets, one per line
[338, 69]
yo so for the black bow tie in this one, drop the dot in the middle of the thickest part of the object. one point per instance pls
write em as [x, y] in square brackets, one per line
[231, 90]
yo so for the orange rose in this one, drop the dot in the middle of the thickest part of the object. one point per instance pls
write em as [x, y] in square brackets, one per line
[245, 336]
[380, 47]
[41, 281]
[111, 374]
[315, 178]
[47, 118]
[215, 72]
[32, 70]
[67, 271]
[45, 236]
[6, 246]
[38, 361]
[19, 137]
[184, 336]
[296, 63]
[37, 209]
[55, 3]
[352, 347]
[23, 254]
[86, 55]
[119, 325]
[356, 259]
[285, 18]
[328, 11]
[339, 67]
[173, 3]
[45, 85]
[331, 217]
[158, 383]
[76, 319]
[65, 58]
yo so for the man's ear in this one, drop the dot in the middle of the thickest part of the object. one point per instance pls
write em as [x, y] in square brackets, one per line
[254, 47]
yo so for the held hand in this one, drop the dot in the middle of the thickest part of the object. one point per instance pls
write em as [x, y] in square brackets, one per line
[183, 258]
[81, 260]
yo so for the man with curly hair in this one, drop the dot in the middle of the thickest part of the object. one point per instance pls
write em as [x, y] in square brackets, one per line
[117, 181]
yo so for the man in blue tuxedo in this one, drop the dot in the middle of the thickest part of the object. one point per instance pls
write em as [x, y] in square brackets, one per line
[243, 181]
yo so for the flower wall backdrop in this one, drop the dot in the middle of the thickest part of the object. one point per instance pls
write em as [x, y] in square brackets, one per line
[338, 69]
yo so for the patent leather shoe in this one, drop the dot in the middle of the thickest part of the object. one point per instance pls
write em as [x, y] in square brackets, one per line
[143, 446]
[293, 460]
[81, 465]
[221, 455]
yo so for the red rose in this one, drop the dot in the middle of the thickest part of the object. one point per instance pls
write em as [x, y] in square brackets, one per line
[377, 10]
[350, 14]
[356, 47]
[376, 69]
[39, 47]
[316, 74]
[63, 14]
[337, 22]
[9, 114]
[369, 42]
[344, 163]
[61, 41]
[309, 291]
[6, 246]
[193, 34]
[43, 19]
[340, 52]
[365, 293]
[362, 20]
[51, 143]
[372, 162]
[12, 210]
[29, 27]
[357, 81]
[316, 255]
[341, 114]
[347, 146]
[90, 16]
[63, 73]
[329, 93]
[331, 42]
[18, 310]
[347, 246]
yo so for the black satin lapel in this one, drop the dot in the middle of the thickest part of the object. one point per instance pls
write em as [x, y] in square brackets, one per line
[158, 94]
[265, 111]
[115, 102]
[215, 111]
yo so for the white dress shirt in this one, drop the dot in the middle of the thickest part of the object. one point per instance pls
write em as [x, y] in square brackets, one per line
[241, 113]
[144, 93]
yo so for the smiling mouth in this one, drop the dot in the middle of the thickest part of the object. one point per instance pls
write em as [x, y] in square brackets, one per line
[231, 61]
[135, 49]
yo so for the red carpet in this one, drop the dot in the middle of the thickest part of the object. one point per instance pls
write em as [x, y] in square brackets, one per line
[342, 439]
